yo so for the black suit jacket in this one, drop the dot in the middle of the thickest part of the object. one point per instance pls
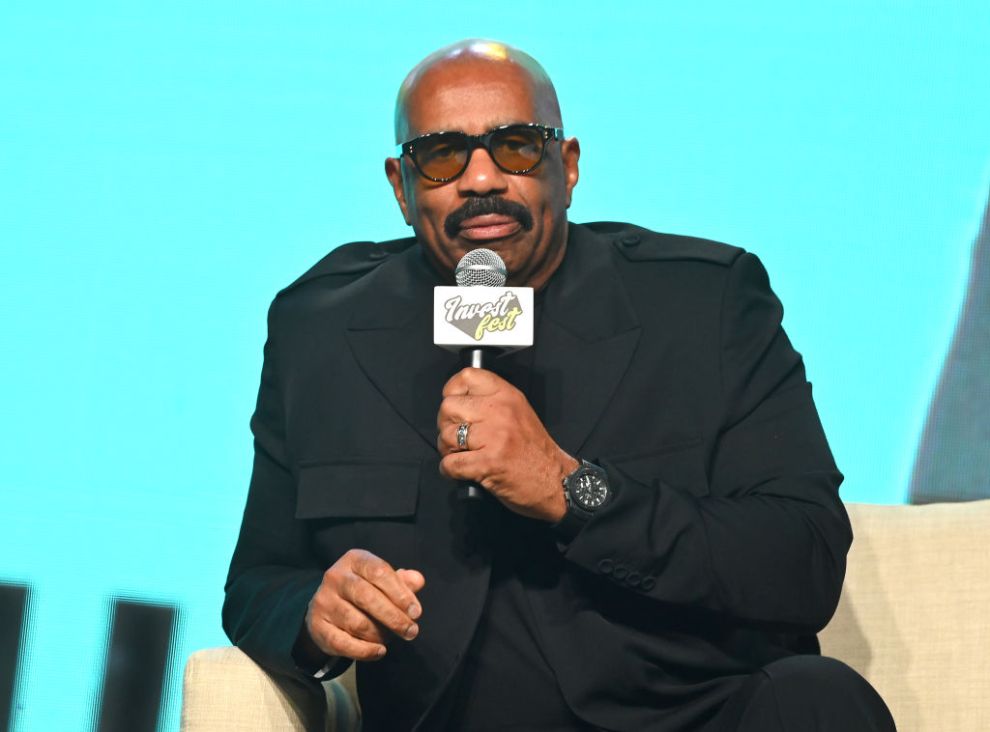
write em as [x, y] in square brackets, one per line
[660, 357]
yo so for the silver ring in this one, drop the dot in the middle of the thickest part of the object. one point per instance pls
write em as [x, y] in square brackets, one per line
[462, 435]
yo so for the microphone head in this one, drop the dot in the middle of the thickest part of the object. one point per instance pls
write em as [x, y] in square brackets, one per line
[480, 267]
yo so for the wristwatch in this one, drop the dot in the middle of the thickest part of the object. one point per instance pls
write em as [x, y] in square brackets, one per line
[586, 490]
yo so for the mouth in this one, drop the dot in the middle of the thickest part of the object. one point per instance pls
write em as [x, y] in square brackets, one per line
[489, 227]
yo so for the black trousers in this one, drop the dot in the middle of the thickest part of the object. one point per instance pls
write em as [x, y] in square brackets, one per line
[795, 694]
[805, 694]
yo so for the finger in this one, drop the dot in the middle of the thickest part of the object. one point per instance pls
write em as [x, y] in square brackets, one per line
[414, 579]
[336, 642]
[462, 408]
[355, 623]
[468, 465]
[473, 381]
[400, 602]
[444, 444]
[456, 385]
[448, 442]
[371, 608]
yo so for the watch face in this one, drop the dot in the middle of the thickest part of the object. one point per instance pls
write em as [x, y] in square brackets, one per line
[589, 490]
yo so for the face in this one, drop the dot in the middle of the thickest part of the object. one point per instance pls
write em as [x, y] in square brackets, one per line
[485, 206]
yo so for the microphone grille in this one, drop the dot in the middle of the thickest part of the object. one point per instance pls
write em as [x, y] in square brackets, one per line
[480, 267]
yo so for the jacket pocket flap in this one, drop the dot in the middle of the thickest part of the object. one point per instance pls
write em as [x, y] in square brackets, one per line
[355, 489]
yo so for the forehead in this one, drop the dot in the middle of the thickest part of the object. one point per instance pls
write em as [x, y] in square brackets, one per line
[470, 96]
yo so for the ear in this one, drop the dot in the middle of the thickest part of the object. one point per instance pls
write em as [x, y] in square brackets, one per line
[393, 171]
[570, 153]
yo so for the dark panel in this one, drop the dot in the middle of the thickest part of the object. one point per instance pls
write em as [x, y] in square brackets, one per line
[136, 666]
[13, 606]
[953, 461]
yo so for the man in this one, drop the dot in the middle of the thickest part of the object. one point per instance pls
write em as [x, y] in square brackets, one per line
[662, 535]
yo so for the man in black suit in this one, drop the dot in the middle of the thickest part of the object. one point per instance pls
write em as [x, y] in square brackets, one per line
[661, 536]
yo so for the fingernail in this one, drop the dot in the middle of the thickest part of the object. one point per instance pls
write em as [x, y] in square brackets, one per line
[381, 652]
[414, 611]
[411, 632]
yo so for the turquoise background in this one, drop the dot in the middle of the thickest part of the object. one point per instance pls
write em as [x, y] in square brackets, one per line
[166, 167]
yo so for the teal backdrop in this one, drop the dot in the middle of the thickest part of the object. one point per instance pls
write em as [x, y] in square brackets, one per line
[165, 168]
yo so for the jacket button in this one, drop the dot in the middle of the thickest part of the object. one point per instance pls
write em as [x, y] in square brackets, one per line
[620, 572]
[605, 566]
[629, 241]
[633, 579]
[647, 584]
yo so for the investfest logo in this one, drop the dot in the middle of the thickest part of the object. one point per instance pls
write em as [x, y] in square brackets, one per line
[477, 318]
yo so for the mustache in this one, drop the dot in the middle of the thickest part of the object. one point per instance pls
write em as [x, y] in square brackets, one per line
[487, 205]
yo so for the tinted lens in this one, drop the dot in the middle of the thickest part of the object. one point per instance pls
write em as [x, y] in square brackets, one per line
[518, 149]
[441, 156]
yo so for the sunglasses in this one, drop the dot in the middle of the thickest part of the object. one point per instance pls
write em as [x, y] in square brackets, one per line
[443, 156]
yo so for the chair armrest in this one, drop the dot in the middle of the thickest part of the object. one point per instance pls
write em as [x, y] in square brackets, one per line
[224, 690]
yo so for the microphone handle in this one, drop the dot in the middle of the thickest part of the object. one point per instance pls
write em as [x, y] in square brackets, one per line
[475, 358]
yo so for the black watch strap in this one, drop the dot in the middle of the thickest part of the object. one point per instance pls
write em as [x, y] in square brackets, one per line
[576, 516]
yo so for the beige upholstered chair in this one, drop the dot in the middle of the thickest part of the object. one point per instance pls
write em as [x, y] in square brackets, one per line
[914, 619]
[225, 691]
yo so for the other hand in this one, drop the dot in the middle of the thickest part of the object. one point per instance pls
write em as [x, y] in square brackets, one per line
[361, 603]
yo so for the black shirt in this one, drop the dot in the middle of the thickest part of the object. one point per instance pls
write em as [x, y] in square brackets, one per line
[504, 682]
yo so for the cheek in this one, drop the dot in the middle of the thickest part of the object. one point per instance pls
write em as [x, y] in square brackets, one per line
[430, 218]
[435, 206]
[545, 196]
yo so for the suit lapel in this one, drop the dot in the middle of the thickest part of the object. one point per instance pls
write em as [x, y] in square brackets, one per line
[391, 335]
[586, 338]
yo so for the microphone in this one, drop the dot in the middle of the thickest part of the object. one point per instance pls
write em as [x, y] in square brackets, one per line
[481, 316]
[479, 268]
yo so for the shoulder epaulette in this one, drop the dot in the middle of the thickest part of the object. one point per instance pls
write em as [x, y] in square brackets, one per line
[353, 260]
[642, 245]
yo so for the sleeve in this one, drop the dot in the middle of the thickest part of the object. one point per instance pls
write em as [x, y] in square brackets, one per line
[273, 574]
[766, 542]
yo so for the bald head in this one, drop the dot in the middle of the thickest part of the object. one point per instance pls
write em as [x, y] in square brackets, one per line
[481, 57]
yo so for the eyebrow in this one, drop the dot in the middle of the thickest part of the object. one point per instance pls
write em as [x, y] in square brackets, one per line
[488, 129]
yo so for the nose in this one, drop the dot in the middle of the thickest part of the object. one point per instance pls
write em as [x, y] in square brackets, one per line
[481, 177]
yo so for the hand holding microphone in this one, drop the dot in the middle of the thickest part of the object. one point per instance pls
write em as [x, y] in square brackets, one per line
[508, 451]
[489, 435]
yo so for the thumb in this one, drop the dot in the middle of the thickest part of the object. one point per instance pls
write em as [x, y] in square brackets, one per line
[414, 580]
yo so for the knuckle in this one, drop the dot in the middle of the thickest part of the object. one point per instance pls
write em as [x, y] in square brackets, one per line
[349, 620]
[359, 626]
[350, 586]
[329, 639]
[450, 466]
[332, 575]
[405, 599]
[319, 603]
[352, 557]
[361, 595]
[398, 623]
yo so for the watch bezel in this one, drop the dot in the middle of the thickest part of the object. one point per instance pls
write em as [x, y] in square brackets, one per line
[571, 486]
